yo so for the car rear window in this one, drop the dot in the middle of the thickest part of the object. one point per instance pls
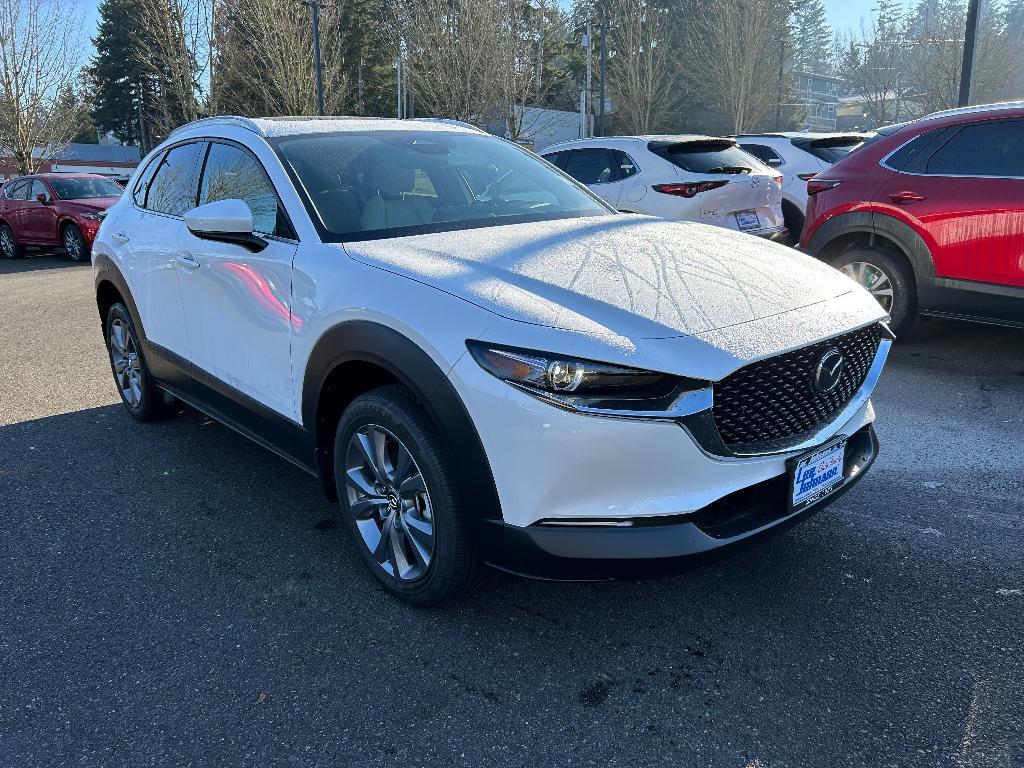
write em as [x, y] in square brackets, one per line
[715, 156]
[831, 150]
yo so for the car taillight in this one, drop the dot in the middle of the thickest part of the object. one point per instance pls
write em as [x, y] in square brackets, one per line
[689, 188]
[777, 179]
[816, 185]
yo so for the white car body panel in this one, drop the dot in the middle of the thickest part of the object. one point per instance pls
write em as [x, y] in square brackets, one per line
[757, 191]
[686, 299]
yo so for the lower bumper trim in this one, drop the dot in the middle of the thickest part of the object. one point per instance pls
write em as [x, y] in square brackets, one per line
[683, 541]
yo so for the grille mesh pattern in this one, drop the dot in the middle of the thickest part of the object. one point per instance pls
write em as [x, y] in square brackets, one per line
[773, 401]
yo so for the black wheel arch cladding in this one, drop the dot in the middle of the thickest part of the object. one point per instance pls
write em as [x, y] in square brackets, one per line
[360, 341]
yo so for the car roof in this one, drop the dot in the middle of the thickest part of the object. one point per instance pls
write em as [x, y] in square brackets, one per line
[597, 141]
[270, 127]
[811, 135]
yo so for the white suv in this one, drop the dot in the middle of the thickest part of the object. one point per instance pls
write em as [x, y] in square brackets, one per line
[682, 178]
[479, 358]
[798, 157]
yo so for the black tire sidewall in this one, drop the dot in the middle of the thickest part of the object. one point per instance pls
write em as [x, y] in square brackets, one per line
[453, 563]
[904, 300]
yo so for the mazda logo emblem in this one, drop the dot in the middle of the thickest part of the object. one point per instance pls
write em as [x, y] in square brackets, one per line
[829, 371]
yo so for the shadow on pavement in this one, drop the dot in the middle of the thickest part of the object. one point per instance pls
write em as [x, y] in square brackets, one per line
[33, 261]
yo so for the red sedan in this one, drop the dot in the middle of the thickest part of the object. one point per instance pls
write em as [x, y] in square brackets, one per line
[54, 210]
[929, 216]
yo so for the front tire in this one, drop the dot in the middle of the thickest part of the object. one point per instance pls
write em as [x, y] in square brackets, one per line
[9, 246]
[139, 393]
[74, 243]
[399, 499]
[887, 277]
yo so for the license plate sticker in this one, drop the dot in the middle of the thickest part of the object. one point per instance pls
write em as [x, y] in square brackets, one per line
[818, 473]
[748, 220]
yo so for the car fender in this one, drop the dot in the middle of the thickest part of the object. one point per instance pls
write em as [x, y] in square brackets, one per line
[873, 222]
[370, 342]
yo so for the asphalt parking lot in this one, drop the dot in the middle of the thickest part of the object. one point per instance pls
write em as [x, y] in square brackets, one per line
[173, 595]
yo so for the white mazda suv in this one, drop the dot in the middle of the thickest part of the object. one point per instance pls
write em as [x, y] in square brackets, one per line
[481, 361]
[680, 178]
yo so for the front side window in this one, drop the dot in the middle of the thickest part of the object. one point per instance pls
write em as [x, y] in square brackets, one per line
[590, 166]
[38, 188]
[84, 187]
[982, 149]
[370, 185]
[230, 173]
[173, 189]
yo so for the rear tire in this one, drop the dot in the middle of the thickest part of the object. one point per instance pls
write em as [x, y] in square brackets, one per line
[886, 275]
[9, 246]
[400, 501]
[74, 243]
[794, 221]
[143, 399]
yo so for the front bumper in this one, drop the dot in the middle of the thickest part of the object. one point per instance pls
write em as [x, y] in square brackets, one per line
[660, 546]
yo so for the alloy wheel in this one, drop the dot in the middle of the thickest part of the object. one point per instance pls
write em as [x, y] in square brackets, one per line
[73, 243]
[388, 498]
[127, 365]
[7, 243]
[874, 279]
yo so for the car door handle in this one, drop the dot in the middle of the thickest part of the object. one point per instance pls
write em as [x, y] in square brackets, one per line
[906, 197]
[120, 237]
[186, 261]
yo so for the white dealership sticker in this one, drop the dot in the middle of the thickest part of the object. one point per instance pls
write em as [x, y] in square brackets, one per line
[818, 474]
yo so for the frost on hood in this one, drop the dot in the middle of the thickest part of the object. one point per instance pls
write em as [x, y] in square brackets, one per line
[626, 276]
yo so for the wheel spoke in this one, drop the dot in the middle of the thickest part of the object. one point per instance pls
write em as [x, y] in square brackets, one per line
[403, 466]
[421, 535]
[383, 546]
[411, 486]
[371, 444]
[366, 507]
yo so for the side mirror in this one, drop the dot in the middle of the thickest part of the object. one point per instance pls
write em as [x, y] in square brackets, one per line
[42, 198]
[225, 221]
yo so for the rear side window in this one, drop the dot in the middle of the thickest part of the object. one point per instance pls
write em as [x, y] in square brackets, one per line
[17, 190]
[555, 158]
[705, 156]
[982, 149]
[231, 173]
[173, 189]
[912, 157]
[624, 164]
[590, 166]
[764, 153]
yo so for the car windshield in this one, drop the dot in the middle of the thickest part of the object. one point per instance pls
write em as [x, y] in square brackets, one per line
[81, 187]
[362, 186]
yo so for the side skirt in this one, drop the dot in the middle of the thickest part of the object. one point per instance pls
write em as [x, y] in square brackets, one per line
[238, 411]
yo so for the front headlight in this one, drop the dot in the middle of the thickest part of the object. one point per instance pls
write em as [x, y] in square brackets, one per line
[593, 387]
[97, 216]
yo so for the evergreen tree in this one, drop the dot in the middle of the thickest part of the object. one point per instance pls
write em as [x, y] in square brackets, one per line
[812, 38]
[115, 75]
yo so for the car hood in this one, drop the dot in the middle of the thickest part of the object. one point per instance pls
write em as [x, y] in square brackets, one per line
[627, 276]
[93, 203]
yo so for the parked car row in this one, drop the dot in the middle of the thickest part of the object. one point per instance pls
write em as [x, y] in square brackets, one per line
[54, 210]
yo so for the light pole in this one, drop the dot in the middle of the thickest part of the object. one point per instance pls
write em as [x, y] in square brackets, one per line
[973, 17]
[314, 8]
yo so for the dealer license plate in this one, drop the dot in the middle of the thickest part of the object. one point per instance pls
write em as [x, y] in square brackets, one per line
[748, 220]
[817, 474]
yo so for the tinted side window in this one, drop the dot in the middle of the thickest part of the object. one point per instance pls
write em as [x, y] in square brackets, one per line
[590, 166]
[555, 158]
[912, 156]
[231, 173]
[142, 185]
[983, 149]
[624, 164]
[762, 152]
[173, 189]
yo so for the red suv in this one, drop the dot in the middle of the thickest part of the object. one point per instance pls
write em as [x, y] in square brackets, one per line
[929, 216]
[54, 209]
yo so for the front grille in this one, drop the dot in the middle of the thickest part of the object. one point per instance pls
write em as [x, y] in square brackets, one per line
[774, 402]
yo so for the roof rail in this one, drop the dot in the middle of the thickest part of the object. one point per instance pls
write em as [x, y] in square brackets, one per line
[235, 120]
[976, 108]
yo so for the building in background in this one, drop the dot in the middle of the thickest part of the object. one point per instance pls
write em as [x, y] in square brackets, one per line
[115, 162]
[820, 96]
